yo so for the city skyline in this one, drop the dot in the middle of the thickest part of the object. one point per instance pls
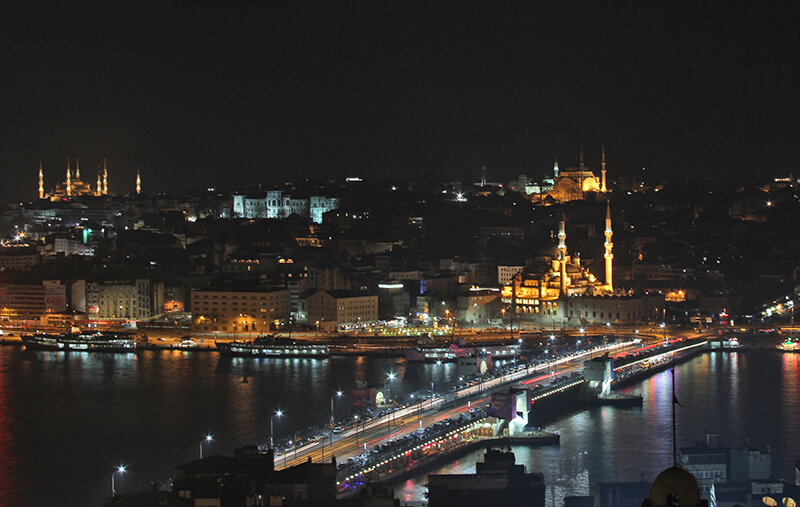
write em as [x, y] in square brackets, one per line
[226, 96]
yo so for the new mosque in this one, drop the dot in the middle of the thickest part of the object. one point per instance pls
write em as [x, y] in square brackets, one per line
[567, 294]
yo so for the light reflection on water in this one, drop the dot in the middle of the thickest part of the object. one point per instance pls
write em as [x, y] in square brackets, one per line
[753, 396]
[67, 420]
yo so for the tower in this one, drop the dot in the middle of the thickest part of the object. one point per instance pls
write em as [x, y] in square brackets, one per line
[609, 246]
[138, 182]
[77, 169]
[41, 181]
[105, 178]
[483, 176]
[69, 181]
[99, 189]
[603, 169]
[562, 255]
[555, 168]
[580, 159]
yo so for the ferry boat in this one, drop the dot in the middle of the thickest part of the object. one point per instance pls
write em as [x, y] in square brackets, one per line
[97, 341]
[270, 346]
[790, 345]
[498, 351]
[433, 354]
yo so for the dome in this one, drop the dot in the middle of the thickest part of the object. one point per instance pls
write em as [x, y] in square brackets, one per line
[548, 250]
[675, 482]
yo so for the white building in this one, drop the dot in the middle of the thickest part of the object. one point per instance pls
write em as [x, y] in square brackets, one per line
[276, 204]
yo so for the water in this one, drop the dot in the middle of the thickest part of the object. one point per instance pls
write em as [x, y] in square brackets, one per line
[753, 396]
[67, 420]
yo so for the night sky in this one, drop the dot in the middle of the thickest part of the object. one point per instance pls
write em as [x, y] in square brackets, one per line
[220, 94]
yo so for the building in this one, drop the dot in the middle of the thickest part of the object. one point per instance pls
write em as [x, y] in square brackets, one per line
[235, 311]
[566, 293]
[577, 181]
[304, 484]
[31, 302]
[224, 480]
[496, 481]
[122, 300]
[70, 246]
[19, 257]
[276, 204]
[341, 306]
[478, 307]
[73, 186]
[506, 273]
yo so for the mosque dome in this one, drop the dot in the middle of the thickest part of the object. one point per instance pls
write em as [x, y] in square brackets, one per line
[674, 486]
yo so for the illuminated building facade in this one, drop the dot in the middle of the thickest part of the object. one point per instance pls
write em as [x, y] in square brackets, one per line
[566, 293]
[239, 311]
[122, 300]
[575, 182]
[27, 302]
[341, 306]
[72, 186]
[276, 204]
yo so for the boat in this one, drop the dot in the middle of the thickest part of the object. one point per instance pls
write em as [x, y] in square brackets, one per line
[790, 345]
[498, 351]
[433, 354]
[270, 346]
[97, 341]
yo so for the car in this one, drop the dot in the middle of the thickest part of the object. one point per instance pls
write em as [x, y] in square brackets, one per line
[338, 429]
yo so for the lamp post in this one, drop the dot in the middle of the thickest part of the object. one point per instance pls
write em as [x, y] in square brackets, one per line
[664, 330]
[278, 413]
[337, 394]
[119, 470]
[389, 378]
[208, 438]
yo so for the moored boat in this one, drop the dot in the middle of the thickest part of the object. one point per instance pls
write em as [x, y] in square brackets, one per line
[98, 341]
[269, 346]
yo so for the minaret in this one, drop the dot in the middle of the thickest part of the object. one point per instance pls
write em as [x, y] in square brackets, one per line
[555, 168]
[69, 181]
[77, 169]
[609, 246]
[105, 178]
[562, 254]
[99, 189]
[138, 182]
[41, 180]
[580, 159]
[603, 170]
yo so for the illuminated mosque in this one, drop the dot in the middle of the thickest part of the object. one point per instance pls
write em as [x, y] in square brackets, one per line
[73, 186]
[566, 293]
[576, 181]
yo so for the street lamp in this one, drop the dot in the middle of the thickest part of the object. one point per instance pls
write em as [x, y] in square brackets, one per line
[664, 329]
[278, 413]
[208, 438]
[119, 470]
[334, 396]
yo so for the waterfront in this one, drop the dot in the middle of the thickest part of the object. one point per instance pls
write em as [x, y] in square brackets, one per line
[66, 420]
[753, 395]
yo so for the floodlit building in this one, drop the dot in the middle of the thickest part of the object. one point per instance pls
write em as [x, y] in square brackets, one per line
[27, 302]
[239, 310]
[566, 293]
[121, 300]
[341, 306]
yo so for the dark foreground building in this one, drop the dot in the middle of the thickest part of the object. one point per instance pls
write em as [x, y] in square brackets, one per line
[496, 481]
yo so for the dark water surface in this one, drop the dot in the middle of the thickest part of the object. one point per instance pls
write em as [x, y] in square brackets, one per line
[67, 420]
[753, 395]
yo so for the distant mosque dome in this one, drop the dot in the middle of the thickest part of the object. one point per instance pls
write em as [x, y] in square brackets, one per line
[675, 486]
